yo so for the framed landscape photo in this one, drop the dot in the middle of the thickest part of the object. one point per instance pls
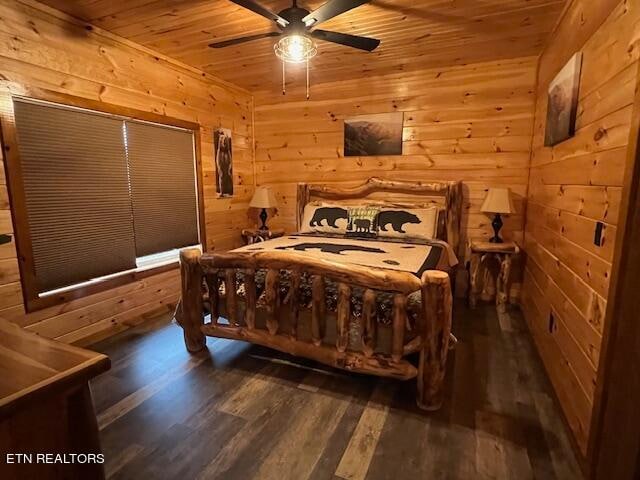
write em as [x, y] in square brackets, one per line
[562, 103]
[371, 135]
[224, 162]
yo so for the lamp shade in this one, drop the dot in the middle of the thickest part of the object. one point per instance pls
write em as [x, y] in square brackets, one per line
[263, 197]
[498, 201]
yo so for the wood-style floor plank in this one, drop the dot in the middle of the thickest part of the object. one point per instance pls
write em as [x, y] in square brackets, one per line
[238, 411]
[356, 458]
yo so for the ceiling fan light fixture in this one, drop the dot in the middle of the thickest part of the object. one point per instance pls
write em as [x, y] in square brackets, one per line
[295, 48]
[295, 23]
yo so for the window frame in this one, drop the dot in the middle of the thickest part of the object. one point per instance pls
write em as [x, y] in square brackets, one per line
[17, 199]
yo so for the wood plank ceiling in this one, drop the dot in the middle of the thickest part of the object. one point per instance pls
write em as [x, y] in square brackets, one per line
[415, 34]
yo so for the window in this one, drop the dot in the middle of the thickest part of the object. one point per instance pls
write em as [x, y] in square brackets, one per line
[102, 194]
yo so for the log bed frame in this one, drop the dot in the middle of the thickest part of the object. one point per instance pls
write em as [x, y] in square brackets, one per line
[202, 273]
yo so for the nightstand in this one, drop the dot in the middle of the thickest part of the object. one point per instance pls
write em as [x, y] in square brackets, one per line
[254, 235]
[479, 253]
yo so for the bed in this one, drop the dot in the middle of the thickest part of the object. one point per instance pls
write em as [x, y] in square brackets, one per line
[378, 306]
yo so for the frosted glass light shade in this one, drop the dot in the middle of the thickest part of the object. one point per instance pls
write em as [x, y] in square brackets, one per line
[295, 48]
[263, 197]
[498, 200]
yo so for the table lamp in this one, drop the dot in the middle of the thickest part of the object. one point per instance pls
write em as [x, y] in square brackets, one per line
[498, 201]
[263, 198]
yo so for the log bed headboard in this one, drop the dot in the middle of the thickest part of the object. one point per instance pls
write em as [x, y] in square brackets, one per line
[448, 195]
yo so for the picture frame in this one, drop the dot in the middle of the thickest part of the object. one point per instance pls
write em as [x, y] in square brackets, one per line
[373, 135]
[562, 103]
[223, 150]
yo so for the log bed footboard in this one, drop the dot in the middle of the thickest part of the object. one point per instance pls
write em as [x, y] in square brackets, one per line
[201, 276]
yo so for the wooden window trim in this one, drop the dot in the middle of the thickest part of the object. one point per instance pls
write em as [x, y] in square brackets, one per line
[17, 199]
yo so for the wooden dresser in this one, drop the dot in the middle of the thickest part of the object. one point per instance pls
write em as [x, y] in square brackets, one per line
[46, 407]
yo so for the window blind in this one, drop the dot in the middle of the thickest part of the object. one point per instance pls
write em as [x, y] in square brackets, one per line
[163, 187]
[77, 193]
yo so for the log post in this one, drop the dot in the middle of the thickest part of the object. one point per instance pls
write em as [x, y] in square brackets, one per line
[502, 280]
[213, 283]
[436, 324]
[370, 322]
[192, 317]
[454, 202]
[343, 316]
[250, 298]
[231, 296]
[318, 310]
[271, 299]
[474, 271]
[294, 301]
[302, 198]
[399, 325]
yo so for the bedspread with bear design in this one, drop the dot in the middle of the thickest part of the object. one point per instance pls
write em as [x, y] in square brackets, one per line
[408, 256]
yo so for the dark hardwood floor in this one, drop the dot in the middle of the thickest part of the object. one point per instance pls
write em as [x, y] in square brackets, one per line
[238, 411]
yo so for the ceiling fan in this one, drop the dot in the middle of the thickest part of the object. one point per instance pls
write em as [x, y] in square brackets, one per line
[296, 24]
[299, 21]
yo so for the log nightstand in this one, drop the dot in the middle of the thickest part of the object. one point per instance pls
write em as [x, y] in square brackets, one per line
[479, 252]
[254, 235]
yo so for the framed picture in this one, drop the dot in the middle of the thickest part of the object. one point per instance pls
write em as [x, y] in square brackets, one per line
[370, 135]
[562, 103]
[224, 162]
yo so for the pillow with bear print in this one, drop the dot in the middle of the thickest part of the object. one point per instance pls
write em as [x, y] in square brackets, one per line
[363, 222]
[324, 218]
[408, 222]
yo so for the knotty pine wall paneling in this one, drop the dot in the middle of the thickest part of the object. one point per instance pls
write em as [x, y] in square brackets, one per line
[471, 123]
[573, 186]
[42, 48]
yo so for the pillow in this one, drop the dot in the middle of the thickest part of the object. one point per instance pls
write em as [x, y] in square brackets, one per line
[324, 218]
[363, 222]
[408, 222]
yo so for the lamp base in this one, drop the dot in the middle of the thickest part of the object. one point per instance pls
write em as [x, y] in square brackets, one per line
[497, 225]
[263, 218]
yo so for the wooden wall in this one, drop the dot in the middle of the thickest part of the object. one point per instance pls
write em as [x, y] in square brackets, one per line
[572, 187]
[43, 48]
[470, 123]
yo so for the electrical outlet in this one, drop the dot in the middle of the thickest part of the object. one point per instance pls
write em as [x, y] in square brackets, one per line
[597, 239]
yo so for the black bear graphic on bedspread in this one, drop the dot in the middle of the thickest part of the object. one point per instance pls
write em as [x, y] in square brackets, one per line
[330, 214]
[362, 225]
[397, 219]
[330, 248]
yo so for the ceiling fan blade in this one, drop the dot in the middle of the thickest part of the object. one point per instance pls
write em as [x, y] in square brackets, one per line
[362, 43]
[331, 9]
[236, 41]
[260, 10]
